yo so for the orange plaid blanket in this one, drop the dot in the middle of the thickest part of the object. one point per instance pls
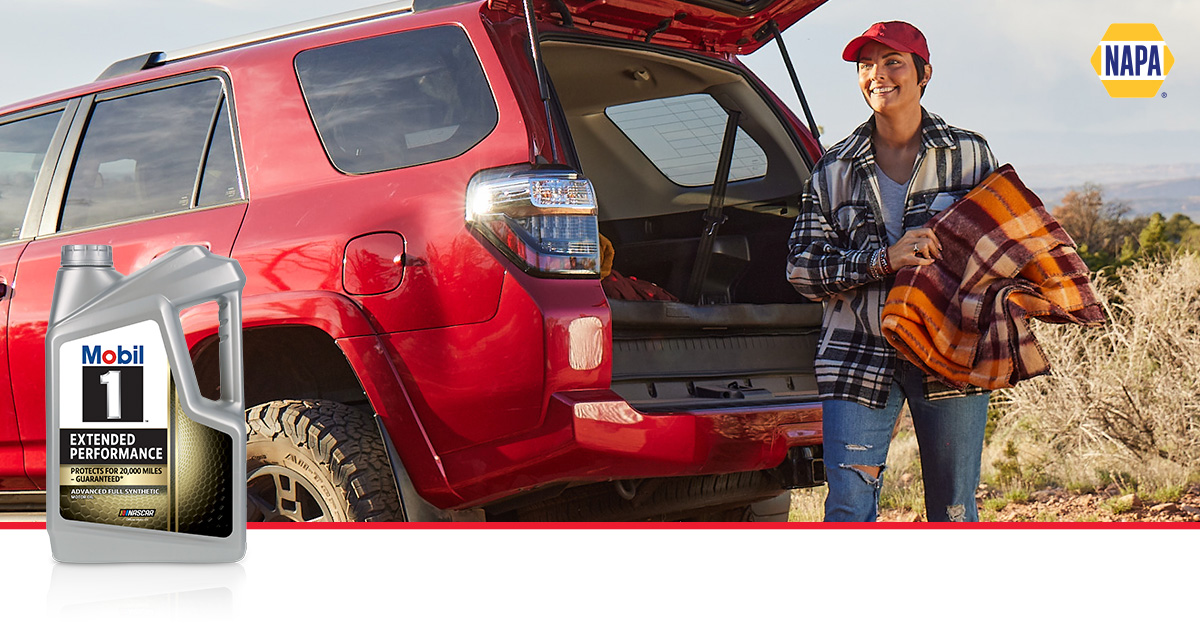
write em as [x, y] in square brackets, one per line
[964, 318]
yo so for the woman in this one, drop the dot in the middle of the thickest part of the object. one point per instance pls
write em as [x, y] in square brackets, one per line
[861, 220]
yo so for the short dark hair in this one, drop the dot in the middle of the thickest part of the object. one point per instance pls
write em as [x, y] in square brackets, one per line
[920, 63]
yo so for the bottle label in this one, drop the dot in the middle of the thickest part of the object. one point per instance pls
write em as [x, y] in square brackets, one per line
[129, 455]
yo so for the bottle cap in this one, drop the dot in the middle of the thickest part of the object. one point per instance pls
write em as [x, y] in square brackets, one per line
[87, 256]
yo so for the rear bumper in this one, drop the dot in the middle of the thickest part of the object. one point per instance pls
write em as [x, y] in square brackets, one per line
[594, 435]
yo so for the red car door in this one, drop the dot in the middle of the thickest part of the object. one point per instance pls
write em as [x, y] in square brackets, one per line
[133, 185]
[29, 144]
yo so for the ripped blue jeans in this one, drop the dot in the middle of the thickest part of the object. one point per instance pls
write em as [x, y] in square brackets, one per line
[949, 435]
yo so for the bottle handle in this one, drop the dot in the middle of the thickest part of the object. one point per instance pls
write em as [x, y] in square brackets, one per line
[229, 338]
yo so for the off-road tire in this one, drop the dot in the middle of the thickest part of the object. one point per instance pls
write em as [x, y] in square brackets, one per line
[706, 498]
[326, 461]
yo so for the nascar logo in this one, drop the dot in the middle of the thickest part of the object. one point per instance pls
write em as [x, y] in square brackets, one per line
[136, 512]
[1132, 60]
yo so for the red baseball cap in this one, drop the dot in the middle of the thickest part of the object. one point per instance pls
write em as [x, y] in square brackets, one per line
[900, 36]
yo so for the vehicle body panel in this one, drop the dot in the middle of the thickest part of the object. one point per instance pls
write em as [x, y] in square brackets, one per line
[304, 211]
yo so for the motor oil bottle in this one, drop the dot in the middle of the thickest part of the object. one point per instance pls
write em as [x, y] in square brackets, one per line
[140, 467]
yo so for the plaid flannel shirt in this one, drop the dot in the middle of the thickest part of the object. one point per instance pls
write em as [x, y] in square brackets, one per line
[840, 227]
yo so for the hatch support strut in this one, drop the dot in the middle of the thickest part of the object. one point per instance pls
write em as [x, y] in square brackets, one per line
[715, 215]
[772, 29]
[535, 49]
[564, 13]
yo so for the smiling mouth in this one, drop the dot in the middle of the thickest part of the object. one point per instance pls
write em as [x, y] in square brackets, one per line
[883, 90]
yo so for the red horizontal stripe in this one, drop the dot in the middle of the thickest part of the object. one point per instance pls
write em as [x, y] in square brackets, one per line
[1140, 525]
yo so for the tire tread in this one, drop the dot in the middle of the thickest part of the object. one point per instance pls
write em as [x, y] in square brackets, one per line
[341, 441]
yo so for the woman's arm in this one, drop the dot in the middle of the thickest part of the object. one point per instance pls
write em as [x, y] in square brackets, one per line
[820, 262]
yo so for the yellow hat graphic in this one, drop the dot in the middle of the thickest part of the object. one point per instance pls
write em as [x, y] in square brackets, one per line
[1132, 60]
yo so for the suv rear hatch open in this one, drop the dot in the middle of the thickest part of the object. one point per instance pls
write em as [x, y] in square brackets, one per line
[647, 125]
[722, 26]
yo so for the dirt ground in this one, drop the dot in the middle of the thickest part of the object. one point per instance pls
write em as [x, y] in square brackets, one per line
[1111, 504]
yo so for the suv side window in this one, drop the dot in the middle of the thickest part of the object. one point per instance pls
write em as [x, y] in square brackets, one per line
[397, 100]
[144, 154]
[23, 146]
[221, 182]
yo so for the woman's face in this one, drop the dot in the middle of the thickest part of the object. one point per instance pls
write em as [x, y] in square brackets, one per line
[888, 79]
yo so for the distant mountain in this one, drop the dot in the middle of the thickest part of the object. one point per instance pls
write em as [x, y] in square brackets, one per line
[1146, 188]
[1042, 175]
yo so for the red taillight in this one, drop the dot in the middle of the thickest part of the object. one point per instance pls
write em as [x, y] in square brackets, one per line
[544, 219]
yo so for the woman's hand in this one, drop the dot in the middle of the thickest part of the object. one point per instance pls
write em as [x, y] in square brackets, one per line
[917, 247]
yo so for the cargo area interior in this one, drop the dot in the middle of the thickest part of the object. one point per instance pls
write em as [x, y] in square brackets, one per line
[647, 127]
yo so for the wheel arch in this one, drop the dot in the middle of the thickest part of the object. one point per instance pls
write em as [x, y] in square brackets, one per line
[288, 361]
[314, 345]
[289, 347]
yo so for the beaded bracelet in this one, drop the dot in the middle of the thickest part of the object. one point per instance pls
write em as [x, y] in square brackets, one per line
[880, 264]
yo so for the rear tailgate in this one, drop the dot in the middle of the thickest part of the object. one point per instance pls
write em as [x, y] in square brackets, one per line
[723, 26]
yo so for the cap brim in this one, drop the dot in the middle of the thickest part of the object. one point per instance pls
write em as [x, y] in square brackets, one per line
[856, 44]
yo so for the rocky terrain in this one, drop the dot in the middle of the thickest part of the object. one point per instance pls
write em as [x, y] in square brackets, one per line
[1112, 504]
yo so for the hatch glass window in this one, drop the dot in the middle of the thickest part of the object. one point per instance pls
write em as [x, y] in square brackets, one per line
[143, 155]
[23, 146]
[681, 136]
[397, 100]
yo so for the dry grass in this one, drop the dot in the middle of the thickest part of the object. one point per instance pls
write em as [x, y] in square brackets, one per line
[1120, 408]
[1122, 404]
[808, 505]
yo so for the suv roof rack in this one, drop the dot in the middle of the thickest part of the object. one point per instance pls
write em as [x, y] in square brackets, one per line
[150, 60]
[131, 65]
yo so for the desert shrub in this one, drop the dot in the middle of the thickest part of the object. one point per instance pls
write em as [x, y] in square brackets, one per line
[1167, 494]
[1123, 400]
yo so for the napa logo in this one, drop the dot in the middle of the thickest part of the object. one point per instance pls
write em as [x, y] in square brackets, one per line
[1132, 60]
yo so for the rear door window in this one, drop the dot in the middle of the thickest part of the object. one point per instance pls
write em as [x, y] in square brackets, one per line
[397, 100]
[221, 183]
[152, 153]
[681, 136]
[23, 146]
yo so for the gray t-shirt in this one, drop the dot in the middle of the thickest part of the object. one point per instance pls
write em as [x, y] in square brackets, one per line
[892, 196]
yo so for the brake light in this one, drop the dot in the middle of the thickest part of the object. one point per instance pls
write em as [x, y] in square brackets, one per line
[542, 219]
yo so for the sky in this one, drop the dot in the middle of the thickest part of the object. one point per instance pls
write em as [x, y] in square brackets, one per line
[1017, 71]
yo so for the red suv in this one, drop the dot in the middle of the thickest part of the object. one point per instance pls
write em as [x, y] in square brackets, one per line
[490, 275]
